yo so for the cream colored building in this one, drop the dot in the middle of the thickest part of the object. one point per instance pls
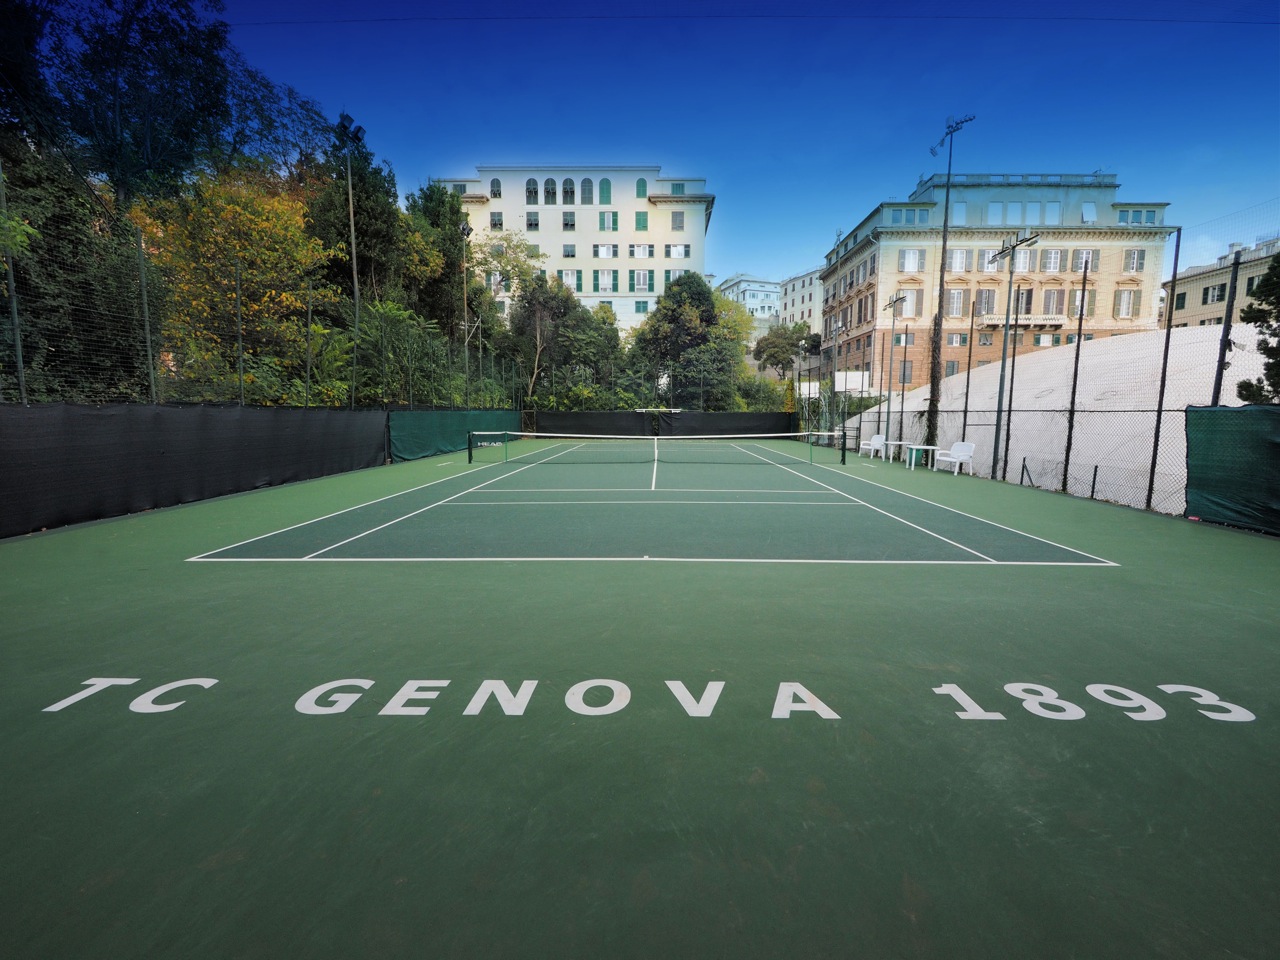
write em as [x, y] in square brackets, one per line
[1201, 296]
[802, 299]
[612, 234]
[893, 254]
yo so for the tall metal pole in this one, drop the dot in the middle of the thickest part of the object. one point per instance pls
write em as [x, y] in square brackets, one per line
[352, 135]
[1013, 376]
[465, 228]
[13, 305]
[893, 329]
[935, 339]
[1225, 342]
[146, 314]
[968, 372]
[1164, 366]
[1075, 375]
[1009, 250]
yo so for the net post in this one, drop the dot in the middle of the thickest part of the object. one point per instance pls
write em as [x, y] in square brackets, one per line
[844, 445]
[471, 446]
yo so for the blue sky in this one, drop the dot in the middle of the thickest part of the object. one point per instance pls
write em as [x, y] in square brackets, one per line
[801, 115]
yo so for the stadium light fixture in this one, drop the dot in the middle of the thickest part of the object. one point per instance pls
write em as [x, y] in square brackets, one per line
[935, 339]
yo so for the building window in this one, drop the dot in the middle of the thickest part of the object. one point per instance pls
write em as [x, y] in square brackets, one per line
[1090, 302]
[905, 376]
[570, 250]
[642, 219]
[531, 222]
[960, 261]
[677, 221]
[1053, 212]
[604, 251]
[1180, 301]
[572, 279]
[642, 251]
[642, 188]
[606, 191]
[1024, 260]
[1127, 304]
[678, 251]
[957, 339]
[549, 192]
[1134, 261]
[586, 192]
[1013, 212]
[1022, 301]
[985, 302]
[1048, 339]
[989, 263]
[895, 215]
[1054, 301]
[908, 303]
[677, 189]
[495, 188]
[608, 218]
[1088, 212]
[531, 192]
[569, 221]
[641, 281]
[995, 212]
[604, 281]
[959, 210]
[1033, 212]
[1050, 261]
[1214, 294]
[953, 367]
[642, 306]
[957, 303]
[986, 339]
[910, 261]
[904, 339]
[1081, 257]
[460, 188]
[566, 192]
[495, 221]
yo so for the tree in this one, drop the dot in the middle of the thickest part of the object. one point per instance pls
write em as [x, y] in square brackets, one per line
[238, 260]
[539, 313]
[1264, 313]
[436, 213]
[144, 88]
[778, 348]
[696, 340]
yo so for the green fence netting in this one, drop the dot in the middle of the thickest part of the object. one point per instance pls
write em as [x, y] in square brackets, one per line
[415, 434]
[1233, 466]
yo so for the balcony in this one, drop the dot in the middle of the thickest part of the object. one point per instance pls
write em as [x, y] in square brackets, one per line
[1045, 320]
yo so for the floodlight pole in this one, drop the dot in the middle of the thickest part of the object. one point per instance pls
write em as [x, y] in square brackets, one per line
[1011, 244]
[352, 135]
[935, 338]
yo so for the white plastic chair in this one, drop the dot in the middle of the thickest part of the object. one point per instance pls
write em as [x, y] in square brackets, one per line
[961, 452]
[875, 445]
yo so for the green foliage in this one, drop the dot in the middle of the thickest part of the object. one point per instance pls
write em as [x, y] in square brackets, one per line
[778, 349]
[1264, 313]
[762, 395]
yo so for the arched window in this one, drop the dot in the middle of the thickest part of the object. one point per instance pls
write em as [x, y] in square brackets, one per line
[531, 192]
[642, 188]
[549, 191]
[495, 188]
[606, 191]
[566, 192]
[586, 191]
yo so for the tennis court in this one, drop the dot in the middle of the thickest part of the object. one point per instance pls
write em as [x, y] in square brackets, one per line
[724, 700]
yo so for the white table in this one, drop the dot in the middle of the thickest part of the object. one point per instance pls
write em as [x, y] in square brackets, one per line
[890, 444]
[911, 450]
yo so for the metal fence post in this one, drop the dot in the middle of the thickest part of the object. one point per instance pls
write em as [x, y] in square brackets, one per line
[1075, 374]
[146, 314]
[9, 256]
[1164, 365]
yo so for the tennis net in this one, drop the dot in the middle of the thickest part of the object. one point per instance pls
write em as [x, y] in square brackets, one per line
[552, 448]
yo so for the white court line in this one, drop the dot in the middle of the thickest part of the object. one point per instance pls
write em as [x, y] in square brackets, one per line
[943, 506]
[338, 513]
[383, 526]
[886, 513]
[608, 503]
[888, 563]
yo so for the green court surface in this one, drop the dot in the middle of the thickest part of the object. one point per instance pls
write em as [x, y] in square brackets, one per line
[531, 708]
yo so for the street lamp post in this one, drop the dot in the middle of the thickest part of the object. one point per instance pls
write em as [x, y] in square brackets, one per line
[1024, 238]
[350, 134]
[935, 339]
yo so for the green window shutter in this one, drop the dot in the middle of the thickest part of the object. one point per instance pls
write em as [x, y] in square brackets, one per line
[666, 279]
[642, 220]
[1137, 302]
[1057, 339]
[651, 273]
[615, 281]
[631, 281]
[602, 216]
[579, 279]
[595, 281]
[1115, 304]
